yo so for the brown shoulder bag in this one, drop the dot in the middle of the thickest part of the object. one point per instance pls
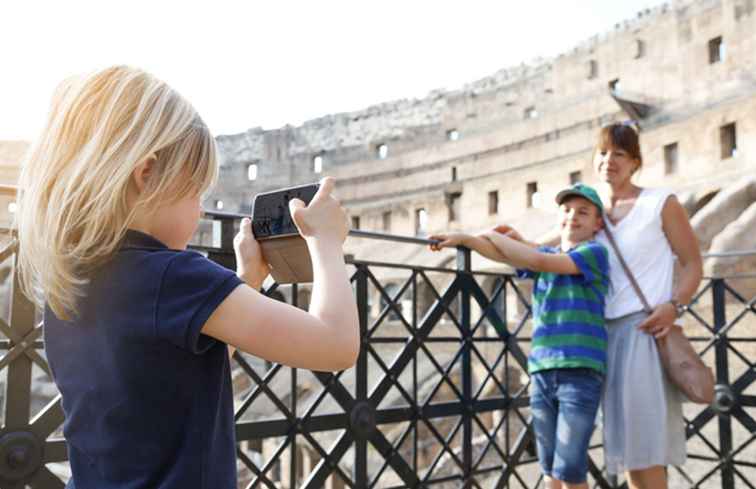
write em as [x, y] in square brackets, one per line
[682, 364]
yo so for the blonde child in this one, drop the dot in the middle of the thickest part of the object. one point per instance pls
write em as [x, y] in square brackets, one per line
[136, 326]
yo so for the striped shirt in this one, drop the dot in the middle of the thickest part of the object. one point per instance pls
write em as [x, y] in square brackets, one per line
[568, 310]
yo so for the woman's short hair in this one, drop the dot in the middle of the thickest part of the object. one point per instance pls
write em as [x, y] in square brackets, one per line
[73, 207]
[623, 136]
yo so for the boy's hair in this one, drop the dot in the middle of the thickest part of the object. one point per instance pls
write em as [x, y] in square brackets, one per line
[73, 207]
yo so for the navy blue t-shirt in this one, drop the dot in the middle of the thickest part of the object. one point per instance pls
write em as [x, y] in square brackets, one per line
[147, 398]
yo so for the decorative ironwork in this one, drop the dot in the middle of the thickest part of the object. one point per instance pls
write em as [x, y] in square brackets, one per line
[438, 397]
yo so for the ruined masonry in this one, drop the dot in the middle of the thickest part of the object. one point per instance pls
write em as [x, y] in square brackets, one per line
[498, 149]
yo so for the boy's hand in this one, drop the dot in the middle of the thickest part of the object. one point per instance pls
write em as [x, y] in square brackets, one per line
[250, 264]
[323, 218]
[449, 240]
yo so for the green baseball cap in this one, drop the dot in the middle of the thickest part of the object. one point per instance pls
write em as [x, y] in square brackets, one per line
[581, 190]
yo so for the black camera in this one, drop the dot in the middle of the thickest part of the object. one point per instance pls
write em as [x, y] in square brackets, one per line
[282, 246]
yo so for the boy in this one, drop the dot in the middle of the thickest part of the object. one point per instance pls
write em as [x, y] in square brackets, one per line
[567, 361]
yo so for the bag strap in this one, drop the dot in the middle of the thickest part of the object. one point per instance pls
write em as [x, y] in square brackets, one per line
[621, 259]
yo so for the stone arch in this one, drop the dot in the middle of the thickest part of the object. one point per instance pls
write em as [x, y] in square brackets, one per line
[724, 208]
[700, 203]
[736, 236]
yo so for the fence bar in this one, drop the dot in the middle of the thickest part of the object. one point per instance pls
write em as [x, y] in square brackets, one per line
[360, 472]
[723, 378]
[463, 265]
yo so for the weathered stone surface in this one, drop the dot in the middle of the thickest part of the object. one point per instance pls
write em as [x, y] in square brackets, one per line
[725, 210]
[533, 124]
[737, 235]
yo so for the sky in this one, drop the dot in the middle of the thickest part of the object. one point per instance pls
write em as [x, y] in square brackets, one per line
[245, 64]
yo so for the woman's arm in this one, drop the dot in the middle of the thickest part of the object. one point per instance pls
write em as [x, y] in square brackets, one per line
[684, 245]
[551, 238]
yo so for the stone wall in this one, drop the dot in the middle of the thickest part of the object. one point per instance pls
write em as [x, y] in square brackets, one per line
[531, 124]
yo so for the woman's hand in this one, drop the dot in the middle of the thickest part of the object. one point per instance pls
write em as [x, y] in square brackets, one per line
[661, 320]
[323, 218]
[448, 240]
[250, 264]
[508, 231]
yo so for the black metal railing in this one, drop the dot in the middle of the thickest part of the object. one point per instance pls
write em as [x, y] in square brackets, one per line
[438, 397]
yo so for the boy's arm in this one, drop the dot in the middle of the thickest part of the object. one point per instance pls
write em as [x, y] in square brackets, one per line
[484, 247]
[475, 243]
[523, 256]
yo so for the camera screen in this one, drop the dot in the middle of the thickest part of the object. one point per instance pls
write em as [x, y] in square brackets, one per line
[270, 211]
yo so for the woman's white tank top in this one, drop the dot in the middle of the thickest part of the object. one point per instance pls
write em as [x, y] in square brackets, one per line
[641, 239]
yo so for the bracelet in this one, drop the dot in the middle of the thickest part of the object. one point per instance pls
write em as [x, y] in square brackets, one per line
[679, 308]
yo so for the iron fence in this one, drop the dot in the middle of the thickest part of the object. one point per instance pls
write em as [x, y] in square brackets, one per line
[438, 397]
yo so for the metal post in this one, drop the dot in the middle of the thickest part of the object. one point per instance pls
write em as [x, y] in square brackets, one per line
[723, 378]
[21, 448]
[225, 255]
[505, 375]
[463, 274]
[414, 421]
[361, 375]
[294, 459]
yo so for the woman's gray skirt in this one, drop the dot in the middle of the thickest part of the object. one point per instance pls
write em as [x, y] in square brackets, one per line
[642, 410]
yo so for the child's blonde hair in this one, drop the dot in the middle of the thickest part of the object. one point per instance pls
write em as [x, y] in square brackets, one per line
[73, 206]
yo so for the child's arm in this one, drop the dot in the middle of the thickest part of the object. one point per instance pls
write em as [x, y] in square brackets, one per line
[521, 255]
[474, 242]
[327, 338]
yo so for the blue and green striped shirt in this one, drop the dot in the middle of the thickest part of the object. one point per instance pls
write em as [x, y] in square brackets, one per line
[568, 310]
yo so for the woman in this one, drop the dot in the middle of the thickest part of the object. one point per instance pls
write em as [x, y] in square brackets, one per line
[644, 429]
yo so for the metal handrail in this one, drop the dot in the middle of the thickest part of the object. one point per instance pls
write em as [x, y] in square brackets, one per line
[359, 233]
[727, 254]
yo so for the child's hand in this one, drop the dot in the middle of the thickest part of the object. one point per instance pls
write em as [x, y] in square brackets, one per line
[449, 240]
[250, 264]
[324, 218]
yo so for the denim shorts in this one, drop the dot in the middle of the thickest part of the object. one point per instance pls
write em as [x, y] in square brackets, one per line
[564, 403]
